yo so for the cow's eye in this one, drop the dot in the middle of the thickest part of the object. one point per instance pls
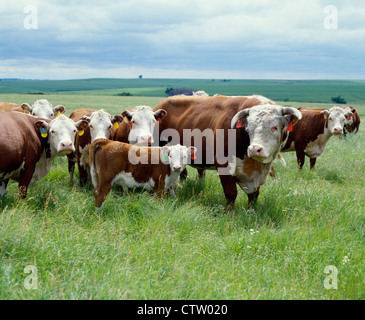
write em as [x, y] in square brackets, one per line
[91, 127]
[110, 126]
[75, 130]
[330, 118]
[51, 115]
[274, 128]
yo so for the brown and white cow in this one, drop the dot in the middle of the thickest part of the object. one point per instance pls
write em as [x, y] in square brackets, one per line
[239, 136]
[352, 124]
[139, 125]
[135, 167]
[28, 145]
[310, 136]
[43, 109]
[101, 125]
[9, 106]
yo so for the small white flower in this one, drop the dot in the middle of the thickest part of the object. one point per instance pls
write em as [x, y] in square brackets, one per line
[345, 259]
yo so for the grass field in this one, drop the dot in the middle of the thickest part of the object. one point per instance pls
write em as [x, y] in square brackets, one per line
[138, 247]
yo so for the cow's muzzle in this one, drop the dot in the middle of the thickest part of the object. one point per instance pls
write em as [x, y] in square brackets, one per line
[256, 152]
[66, 147]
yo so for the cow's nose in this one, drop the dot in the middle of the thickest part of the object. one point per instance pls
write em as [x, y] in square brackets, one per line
[66, 145]
[176, 167]
[145, 139]
[338, 130]
[255, 151]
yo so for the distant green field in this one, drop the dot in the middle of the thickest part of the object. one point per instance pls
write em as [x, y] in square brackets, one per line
[353, 91]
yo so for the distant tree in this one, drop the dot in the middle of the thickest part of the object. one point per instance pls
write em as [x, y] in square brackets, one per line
[140, 76]
[172, 91]
[338, 100]
[124, 94]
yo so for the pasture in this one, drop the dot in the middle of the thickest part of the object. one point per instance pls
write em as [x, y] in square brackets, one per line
[138, 247]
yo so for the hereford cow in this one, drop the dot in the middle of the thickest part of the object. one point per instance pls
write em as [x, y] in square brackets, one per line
[29, 144]
[122, 163]
[8, 106]
[352, 123]
[139, 125]
[43, 109]
[101, 125]
[243, 155]
[310, 135]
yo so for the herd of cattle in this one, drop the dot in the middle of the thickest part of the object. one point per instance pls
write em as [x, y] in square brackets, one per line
[110, 149]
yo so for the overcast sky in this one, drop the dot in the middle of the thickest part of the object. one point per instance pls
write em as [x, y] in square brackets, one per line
[247, 39]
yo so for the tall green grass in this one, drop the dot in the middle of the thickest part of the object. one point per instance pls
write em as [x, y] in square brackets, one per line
[139, 247]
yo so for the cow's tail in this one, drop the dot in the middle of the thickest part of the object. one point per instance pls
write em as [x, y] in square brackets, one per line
[94, 148]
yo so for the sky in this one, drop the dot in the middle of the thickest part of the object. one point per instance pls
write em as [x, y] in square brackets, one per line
[226, 39]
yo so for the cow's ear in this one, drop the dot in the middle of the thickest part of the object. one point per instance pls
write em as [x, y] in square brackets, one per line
[81, 125]
[164, 153]
[160, 114]
[57, 110]
[325, 114]
[240, 119]
[291, 117]
[116, 120]
[42, 127]
[127, 116]
[192, 151]
[86, 118]
[26, 108]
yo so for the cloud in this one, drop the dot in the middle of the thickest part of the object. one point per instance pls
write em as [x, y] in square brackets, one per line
[201, 37]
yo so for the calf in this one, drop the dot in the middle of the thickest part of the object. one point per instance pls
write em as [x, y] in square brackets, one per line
[257, 127]
[118, 162]
[29, 144]
[101, 125]
[310, 135]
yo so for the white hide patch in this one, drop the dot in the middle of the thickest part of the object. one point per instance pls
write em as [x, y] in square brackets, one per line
[126, 180]
[11, 175]
[315, 148]
[42, 168]
[84, 156]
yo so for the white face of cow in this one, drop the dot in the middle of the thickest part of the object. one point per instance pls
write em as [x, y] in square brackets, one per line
[142, 121]
[101, 124]
[61, 133]
[336, 119]
[43, 109]
[178, 156]
[265, 125]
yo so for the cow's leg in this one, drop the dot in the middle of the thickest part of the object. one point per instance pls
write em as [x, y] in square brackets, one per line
[184, 174]
[83, 174]
[201, 173]
[230, 190]
[312, 163]
[172, 192]
[252, 197]
[101, 192]
[25, 179]
[300, 158]
[71, 169]
[3, 185]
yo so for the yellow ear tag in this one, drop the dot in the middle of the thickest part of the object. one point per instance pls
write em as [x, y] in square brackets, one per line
[116, 125]
[58, 113]
[24, 110]
[81, 132]
[44, 132]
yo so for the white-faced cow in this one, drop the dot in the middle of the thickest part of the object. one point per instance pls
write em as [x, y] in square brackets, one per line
[101, 125]
[139, 125]
[122, 163]
[43, 109]
[254, 126]
[310, 136]
[29, 144]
